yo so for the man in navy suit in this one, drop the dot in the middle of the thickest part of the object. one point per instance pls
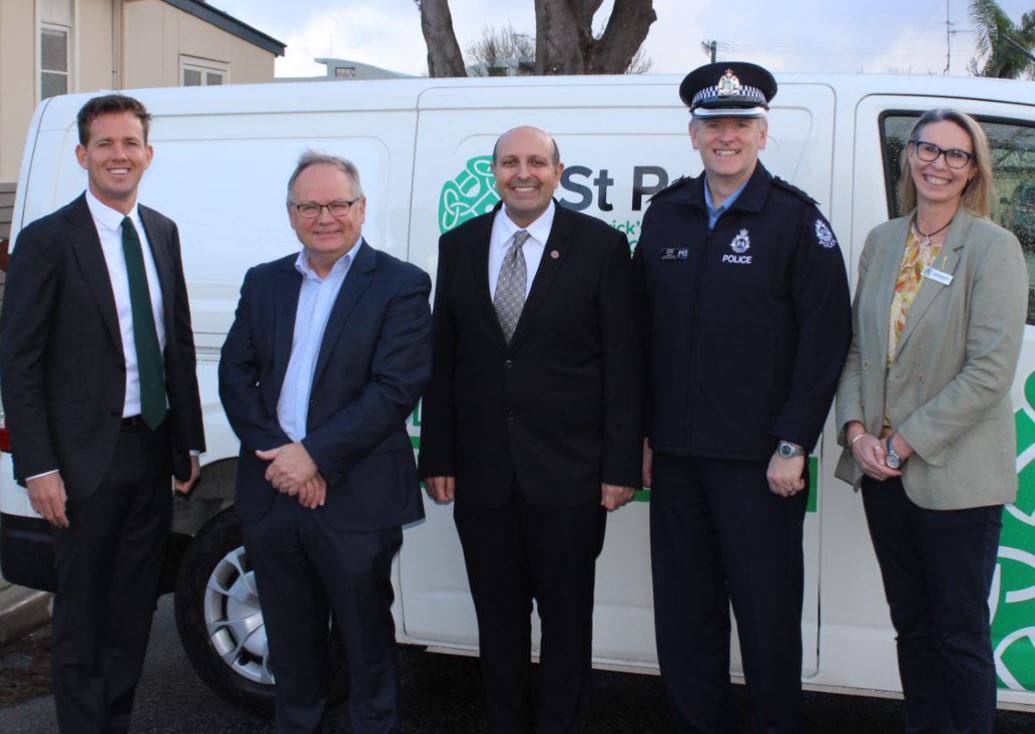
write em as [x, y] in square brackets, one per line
[101, 396]
[532, 423]
[327, 356]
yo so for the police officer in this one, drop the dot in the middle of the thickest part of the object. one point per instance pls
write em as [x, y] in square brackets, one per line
[749, 322]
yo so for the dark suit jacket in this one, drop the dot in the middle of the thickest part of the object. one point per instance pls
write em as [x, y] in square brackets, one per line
[62, 370]
[560, 406]
[374, 361]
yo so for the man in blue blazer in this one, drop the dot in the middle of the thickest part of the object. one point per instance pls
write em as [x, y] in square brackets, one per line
[327, 356]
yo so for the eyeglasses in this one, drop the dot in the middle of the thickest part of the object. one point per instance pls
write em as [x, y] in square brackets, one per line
[311, 210]
[929, 152]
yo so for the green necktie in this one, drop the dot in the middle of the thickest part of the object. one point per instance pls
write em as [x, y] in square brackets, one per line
[149, 353]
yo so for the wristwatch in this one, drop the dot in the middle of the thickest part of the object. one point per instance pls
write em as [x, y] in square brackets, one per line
[892, 460]
[788, 450]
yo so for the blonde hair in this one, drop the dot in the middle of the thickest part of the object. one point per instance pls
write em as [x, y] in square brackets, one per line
[978, 193]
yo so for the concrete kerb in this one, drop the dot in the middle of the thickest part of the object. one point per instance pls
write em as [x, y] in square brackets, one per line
[21, 611]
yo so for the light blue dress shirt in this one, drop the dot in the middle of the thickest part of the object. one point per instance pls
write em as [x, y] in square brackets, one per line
[714, 212]
[316, 299]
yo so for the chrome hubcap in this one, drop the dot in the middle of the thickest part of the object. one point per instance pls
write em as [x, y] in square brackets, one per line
[234, 620]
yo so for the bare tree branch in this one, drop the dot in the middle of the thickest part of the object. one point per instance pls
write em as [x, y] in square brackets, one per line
[626, 30]
[436, 23]
[500, 51]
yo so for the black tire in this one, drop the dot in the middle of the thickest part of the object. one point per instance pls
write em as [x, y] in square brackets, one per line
[236, 669]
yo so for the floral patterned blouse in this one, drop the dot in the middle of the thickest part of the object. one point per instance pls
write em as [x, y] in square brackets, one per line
[914, 260]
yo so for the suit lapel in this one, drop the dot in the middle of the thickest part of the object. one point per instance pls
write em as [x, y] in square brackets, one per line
[891, 254]
[946, 261]
[479, 240]
[556, 248]
[158, 239]
[284, 318]
[86, 246]
[360, 274]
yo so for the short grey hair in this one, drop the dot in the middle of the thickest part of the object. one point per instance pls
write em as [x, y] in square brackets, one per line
[316, 158]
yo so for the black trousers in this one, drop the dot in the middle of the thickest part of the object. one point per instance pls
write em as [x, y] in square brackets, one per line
[108, 563]
[305, 570]
[937, 567]
[514, 554]
[719, 536]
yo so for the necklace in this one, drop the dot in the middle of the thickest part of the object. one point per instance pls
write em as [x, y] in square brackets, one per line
[925, 237]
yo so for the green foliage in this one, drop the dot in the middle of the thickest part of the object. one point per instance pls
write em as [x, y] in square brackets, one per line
[999, 58]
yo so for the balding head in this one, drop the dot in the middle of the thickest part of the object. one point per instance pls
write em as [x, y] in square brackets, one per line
[528, 129]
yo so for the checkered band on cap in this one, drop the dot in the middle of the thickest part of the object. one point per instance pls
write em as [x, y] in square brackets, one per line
[717, 93]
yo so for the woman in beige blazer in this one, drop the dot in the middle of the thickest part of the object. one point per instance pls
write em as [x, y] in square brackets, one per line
[926, 420]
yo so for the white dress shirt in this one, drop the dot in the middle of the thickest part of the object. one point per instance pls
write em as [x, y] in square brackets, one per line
[108, 223]
[503, 231]
[316, 298]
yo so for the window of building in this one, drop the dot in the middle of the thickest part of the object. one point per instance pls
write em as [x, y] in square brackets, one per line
[55, 55]
[203, 73]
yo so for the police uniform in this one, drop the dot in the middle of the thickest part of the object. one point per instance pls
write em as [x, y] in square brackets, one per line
[748, 323]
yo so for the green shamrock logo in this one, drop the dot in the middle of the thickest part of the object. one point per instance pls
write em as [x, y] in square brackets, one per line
[1012, 599]
[471, 193]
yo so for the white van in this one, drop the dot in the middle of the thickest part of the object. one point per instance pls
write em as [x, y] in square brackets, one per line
[222, 158]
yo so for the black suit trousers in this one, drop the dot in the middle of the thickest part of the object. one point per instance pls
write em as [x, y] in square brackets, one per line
[937, 567]
[514, 554]
[720, 537]
[108, 562]
[306, 571]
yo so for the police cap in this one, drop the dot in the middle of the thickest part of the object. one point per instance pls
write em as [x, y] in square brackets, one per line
[728, 89]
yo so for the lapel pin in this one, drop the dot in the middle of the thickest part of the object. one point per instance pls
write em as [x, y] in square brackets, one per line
[554, 254]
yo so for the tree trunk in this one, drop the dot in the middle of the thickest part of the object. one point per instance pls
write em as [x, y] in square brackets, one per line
[558, 48]
[436, 22]
[565, 42]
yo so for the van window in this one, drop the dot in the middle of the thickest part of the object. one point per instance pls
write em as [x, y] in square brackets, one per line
[1013, 161]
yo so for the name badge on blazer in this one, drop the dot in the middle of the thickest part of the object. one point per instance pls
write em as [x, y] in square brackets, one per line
[675, 253]
[938, 276]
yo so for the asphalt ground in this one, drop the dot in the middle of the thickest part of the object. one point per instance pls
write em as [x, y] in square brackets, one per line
[441, 694]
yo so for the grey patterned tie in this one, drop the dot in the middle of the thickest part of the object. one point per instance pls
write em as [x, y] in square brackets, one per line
[510, 288]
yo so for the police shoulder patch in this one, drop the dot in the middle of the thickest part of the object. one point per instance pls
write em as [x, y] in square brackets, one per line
[676, 185]
[824, 235]
[789, 187]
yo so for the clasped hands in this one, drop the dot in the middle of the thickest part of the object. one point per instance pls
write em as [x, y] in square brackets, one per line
[871, 452]
[293, 472]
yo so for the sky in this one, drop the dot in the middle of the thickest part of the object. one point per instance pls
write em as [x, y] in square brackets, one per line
[899, 36]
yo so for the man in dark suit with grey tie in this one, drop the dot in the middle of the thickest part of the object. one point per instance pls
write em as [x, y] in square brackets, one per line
[531, 422]
[97, 366]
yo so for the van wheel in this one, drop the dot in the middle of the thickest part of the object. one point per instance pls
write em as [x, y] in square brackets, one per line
[220, 621]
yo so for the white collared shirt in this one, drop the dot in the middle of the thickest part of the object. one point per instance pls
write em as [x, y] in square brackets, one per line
[316, 299]
[503, 231]
[108, 223]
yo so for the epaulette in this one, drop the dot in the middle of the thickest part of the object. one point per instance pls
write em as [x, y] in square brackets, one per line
[788, 186]
[674, 186]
